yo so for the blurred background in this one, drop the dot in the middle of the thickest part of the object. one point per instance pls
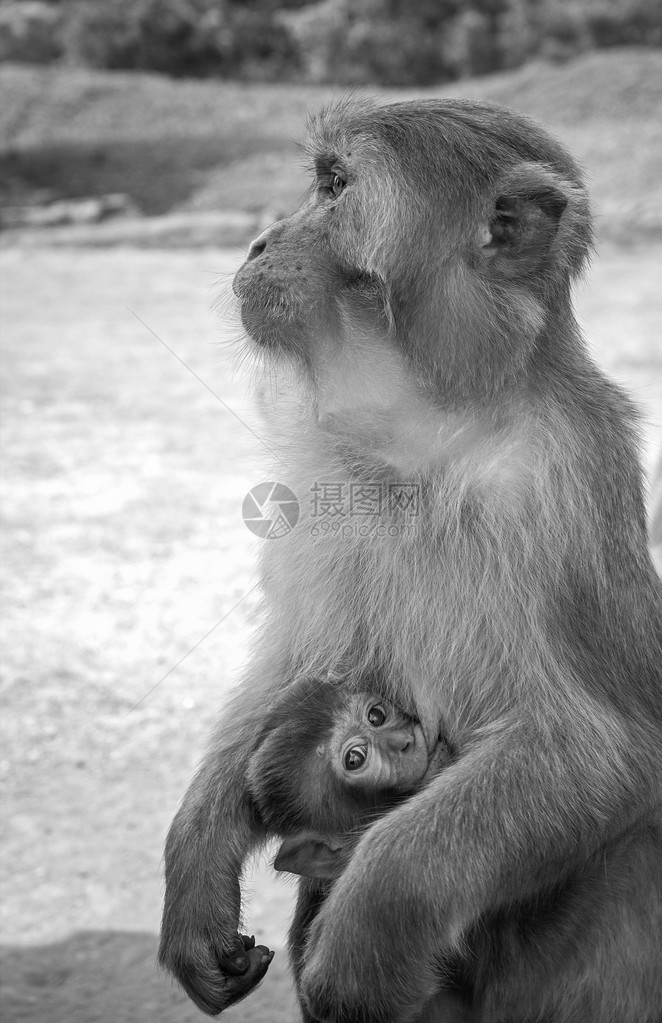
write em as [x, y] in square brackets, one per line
[143, 143]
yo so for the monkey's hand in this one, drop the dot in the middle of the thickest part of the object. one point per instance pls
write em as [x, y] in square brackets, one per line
[368, 951]
[200, 945]
[215, 986]
[208, 841]
[258, 958]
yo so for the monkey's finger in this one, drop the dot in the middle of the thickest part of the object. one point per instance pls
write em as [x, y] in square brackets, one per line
[213, 993]
[238, 987]
[266, 956]
[234, 960]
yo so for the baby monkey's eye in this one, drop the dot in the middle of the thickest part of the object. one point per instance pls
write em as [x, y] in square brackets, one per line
[355, 758]
[376, 716]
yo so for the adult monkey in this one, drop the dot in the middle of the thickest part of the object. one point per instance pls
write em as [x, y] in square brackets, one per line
[420, 302]
[656, 517]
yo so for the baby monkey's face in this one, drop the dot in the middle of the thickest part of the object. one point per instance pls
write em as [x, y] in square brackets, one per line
[374, 745]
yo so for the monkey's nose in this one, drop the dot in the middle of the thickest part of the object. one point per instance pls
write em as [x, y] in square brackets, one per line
[400, 741]
[271, 234]
[257, 246]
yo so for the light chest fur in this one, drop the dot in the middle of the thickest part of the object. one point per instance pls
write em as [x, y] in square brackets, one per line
[427, 595]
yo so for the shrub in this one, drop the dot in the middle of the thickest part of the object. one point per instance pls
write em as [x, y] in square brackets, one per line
[30, 32]
[182, 37]
[634, 23]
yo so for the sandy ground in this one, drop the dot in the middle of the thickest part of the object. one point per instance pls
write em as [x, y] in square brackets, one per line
[128, 598]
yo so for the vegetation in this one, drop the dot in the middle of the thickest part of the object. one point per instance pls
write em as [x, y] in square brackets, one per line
[389, 42]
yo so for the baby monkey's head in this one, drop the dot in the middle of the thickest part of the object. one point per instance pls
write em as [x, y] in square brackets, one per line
[333, 760]
[373, 747]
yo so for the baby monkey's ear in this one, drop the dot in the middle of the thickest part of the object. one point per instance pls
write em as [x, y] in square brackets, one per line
[313, 855]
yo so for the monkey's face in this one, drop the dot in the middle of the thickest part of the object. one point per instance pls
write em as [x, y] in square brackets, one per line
[375, 747]
[315, 290]
[435, 241]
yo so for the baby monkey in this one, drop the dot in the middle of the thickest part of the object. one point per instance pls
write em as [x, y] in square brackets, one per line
[331, 762]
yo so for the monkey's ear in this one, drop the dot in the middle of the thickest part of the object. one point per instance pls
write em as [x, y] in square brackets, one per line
[525, 219]
[317, 856]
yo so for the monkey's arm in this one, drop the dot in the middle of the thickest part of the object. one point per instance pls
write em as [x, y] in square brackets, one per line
[522, 806]
[213, 832]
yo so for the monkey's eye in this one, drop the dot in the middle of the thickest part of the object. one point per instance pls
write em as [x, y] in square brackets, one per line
[330, 183]
[355, 758]
[337, 185]
[376, 716]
